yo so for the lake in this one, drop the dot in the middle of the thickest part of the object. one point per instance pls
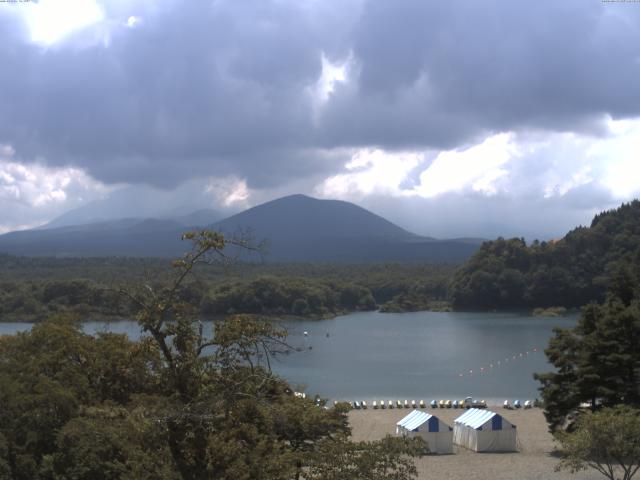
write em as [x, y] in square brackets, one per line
[421, 355]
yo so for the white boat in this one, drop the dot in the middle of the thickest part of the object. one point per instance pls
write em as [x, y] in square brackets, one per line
[422, 405]
[375, 405]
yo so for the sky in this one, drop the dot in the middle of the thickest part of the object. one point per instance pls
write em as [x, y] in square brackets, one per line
[450, 118]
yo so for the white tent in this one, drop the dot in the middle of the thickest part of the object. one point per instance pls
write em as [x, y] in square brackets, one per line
[484, 431]
[437, 434]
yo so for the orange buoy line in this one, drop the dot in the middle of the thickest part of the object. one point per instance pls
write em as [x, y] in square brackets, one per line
[498, 363]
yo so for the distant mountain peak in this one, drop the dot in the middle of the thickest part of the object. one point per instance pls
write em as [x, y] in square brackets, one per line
[296, 228]
[300, 215]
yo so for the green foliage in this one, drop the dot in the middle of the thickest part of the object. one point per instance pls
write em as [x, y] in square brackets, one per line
[388, 459]
[598, 361]
[289, 296]
[48, 374]
[32, 289]
[569, 272]
[607, 441]
[173, 405]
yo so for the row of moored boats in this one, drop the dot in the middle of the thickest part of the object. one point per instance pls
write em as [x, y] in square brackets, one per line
[466, 403]
[382, 404]
[517, 404]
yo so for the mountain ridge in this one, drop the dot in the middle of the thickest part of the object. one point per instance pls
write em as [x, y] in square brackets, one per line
[296, 228]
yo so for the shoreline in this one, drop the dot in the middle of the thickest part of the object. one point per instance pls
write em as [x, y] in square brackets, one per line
[535, 459]
[525, 312]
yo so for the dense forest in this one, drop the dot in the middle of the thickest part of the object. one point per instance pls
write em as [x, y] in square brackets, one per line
[569, 272]
[33, 288]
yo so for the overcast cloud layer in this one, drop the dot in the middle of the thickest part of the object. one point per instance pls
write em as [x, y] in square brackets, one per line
[451, 118]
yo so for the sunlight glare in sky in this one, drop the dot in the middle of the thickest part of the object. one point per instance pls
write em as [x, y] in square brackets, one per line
[50, 20]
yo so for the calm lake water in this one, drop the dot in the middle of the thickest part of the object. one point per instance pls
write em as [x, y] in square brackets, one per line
[422, 355]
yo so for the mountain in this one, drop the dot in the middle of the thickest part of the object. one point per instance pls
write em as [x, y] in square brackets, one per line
[126, 237]
[295, 228]
[569, 272]
[90, 215]
[199, 218]
[301, 228]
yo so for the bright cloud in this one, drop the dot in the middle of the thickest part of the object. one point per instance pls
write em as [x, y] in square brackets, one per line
[229, 191]
[51, 20]
[331, 75]
[371, 171]
[31, 194]
[619, 157]
[508, 164]
[478, 167]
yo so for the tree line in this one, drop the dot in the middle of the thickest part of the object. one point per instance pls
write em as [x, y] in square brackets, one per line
[569, 272]
[32, 289]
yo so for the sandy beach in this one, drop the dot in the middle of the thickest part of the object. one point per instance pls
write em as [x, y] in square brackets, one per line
[534, 461]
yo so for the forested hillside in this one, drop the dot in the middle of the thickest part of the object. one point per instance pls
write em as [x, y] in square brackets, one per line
[570, 272]
[31, 288]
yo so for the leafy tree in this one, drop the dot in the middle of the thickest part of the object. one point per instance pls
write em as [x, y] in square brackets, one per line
[48, 374]
[388, 459]
[304, 426]
[110, 443]
[607, 441]
[597, 361]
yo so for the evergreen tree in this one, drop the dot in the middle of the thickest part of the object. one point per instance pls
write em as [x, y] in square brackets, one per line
[598, 361]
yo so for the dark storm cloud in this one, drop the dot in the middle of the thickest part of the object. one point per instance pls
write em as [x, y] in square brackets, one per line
[440, 73]
[225, 88]
[188, 92]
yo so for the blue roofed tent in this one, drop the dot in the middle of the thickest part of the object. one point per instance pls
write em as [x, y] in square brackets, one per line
[438, 435]
[484, 431]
